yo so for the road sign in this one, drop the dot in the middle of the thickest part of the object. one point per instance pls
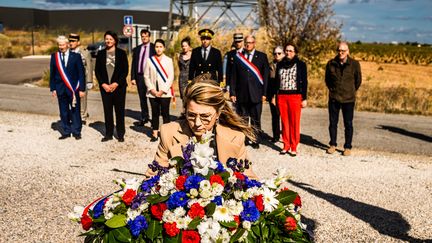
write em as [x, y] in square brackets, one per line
[128, 30]
[128, 20]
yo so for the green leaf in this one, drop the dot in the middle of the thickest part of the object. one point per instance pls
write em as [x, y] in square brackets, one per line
[250, 238]
[101, 219]
[256, 230]
[111, 238]
[154, 199]
[154, 229]
[237, 235]
[230, 224]
[175, 239]
[265, 231]
[277, 211]
[286, 197]
[210, 209]
[194, 223]
[122, 234]
[225, 175]
[120, 209]
[117, 221]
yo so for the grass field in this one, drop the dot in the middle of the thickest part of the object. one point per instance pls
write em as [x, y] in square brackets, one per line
[396, 78]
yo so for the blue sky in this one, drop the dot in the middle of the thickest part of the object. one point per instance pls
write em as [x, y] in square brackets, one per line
[364, 20]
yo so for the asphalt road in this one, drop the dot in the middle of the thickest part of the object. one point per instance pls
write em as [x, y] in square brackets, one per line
[19, 71]
[372, 131]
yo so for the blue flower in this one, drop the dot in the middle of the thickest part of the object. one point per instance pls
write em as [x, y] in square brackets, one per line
[148, 184]
[137, 225]
[138, 200]
[252, 183]
[220, 168]
[177, 199]
[98, 208]
[217, 200]
[250, 212]
[193, 182]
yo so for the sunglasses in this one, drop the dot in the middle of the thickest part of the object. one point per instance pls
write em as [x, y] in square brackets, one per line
[72, 40]
[206, 38]
[277, 53]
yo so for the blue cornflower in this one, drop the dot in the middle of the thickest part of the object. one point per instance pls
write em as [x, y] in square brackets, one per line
[251, 183]
[148, 184]
[250, 212]
[220, 168]
[217, 200]
[138, 200]
[98, 208]
[137, 225]
[193, 182]
[177, 199]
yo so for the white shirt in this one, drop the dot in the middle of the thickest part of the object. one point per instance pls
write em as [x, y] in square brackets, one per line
[207, 51]
[66, 57]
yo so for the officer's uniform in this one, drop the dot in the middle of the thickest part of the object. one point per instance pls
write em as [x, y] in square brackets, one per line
[206, 60]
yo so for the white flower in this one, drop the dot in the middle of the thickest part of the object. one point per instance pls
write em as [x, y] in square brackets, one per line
[143, 206]
[269, 200]
[167, 182]
[172, 162]
[224, 235]
[183, 222]
[133, 184]
[246, 225]
[238, 195]
[206, 194]
[222, 213]
[76, 214]
[179, 212]
[168, 216]
[110, 205]
[253, 191]
[234, 206]
[205, 185]
[132, 214]
[210, 227]
[217, 189]
[202, 159]
[193, 192]
[232, 179]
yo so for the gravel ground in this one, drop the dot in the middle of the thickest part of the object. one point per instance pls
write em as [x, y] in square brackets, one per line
[368, 197]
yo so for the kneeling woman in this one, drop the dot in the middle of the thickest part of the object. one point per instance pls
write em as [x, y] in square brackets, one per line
[205, 110]
[158, 77]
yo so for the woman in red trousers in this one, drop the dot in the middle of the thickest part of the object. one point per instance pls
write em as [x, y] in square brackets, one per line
[291, 73]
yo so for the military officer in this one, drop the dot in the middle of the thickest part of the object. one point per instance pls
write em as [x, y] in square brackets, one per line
[206, 59]
[230, 56]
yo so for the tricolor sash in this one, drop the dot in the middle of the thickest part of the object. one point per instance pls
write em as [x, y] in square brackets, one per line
[159, 68]
[65, 78]
[250, 66]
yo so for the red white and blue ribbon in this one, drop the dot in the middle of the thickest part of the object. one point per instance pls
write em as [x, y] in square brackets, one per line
[250, 66]
[93, 204]
[159, 68]
[65, 78]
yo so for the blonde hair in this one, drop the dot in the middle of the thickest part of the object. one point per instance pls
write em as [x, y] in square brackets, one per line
[62, 39]
[208, 92]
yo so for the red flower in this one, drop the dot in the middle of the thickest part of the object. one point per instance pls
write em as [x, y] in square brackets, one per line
[157, 210]
[86, 222]
[290, 224]
[259, 203]
[128, 196]
[297, 201]
[239, 176]
[180, 182]
[216, 179]
[283, 189]
[196, 211]
[171, 229]
[190, 236]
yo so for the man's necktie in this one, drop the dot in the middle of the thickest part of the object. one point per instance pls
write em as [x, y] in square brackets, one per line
[64, 59]
[205, 54]
[141, 64]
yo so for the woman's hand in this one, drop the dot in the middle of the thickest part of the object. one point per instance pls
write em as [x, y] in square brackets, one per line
[304, 103]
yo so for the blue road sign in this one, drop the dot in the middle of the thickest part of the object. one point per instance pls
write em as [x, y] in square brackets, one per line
[128, 20]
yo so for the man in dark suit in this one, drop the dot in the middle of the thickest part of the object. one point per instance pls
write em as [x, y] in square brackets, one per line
[206, 59]
[249, 78]
[230, 56]
[139, 57]
[67, 83]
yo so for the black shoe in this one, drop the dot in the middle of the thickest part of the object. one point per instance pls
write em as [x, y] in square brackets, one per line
[121, 140]
[64, 137]
[283, 152]
[83, 122]
[77, 137]
[274, 140]
[145, 120]
[140, 123]
[153, 139]
[105, 139]
[255, 145]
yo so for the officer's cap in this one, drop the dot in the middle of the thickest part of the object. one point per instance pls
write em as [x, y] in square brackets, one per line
[206, 33]
[238, 37]
[74, 37]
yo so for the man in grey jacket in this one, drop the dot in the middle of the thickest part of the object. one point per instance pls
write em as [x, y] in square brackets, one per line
[343, 79]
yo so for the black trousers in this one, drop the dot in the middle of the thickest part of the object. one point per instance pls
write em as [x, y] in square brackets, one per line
[142, 92]
[252, 110]
[348, 114]
[116, 101]
[275, 121]
[159, 106]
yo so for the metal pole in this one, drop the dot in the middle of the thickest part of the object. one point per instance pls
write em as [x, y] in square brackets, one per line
[33, 41]
[169, 23]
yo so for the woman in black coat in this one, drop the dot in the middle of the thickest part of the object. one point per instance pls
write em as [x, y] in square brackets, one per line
[111, 71]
